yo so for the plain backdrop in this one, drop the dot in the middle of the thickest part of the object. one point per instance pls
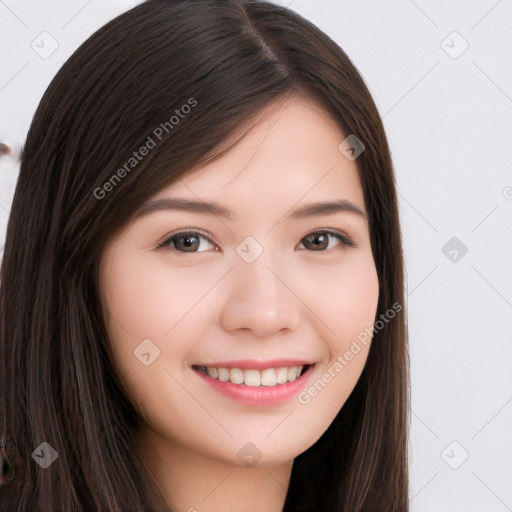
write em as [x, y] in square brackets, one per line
[441, 75]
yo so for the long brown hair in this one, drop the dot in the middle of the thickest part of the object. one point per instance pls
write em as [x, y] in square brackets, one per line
[229, 59]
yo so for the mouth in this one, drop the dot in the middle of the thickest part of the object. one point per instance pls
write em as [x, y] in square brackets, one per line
[268, 377]
[264, 386]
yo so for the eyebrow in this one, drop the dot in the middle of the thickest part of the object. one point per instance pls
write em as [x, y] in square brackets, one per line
[212, 208]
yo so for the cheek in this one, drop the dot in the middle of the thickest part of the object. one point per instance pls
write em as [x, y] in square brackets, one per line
[356, 307]
[148, 300]
[343, 297]
[346, 306]
[145, 300]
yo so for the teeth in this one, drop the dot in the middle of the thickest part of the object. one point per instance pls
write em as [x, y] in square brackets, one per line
[222, 374]
[292, 373]
[236, 375]
[212, 372]
[251, 377]
[268, 377]
[282, 375]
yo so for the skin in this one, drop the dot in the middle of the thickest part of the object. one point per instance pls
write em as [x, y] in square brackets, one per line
[295, 300]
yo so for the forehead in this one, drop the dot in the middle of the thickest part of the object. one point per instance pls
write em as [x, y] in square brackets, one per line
[290, 154]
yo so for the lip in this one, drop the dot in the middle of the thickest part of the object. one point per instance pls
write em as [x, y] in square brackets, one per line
[260, 396]
[255, 364]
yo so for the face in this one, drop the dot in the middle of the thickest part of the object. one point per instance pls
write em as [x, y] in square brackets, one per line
[234, 327]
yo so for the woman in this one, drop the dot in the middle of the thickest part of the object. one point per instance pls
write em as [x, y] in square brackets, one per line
[202, 284]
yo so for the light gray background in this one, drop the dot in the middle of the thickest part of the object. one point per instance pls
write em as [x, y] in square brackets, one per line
[448, 117]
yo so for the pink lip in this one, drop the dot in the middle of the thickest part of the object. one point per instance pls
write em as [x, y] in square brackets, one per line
[260, 396]
[259, 365]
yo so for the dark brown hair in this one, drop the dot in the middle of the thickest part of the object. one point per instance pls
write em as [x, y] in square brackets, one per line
[231, 59]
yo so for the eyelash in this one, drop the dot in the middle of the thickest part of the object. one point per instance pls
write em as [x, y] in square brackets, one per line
[344, 239]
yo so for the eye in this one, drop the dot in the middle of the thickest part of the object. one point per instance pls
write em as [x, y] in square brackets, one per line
[193, 241]
[319, 240]
[185, 241]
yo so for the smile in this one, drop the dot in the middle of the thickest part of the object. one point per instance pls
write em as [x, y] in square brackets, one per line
[253, 377]
[269, 385]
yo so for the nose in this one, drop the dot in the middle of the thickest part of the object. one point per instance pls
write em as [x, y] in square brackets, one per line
[260, 298]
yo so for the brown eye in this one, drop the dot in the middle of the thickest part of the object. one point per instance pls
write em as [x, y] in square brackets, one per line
[188, 243]
[185, 242]
[320, 240]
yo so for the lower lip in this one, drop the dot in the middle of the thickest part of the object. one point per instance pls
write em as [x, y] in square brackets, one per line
[259, 396]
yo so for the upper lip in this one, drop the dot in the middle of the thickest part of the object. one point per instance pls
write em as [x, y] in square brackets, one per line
[258, 364]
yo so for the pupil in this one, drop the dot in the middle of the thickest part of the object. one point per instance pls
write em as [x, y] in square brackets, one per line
[322, 239]
[189, 241]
